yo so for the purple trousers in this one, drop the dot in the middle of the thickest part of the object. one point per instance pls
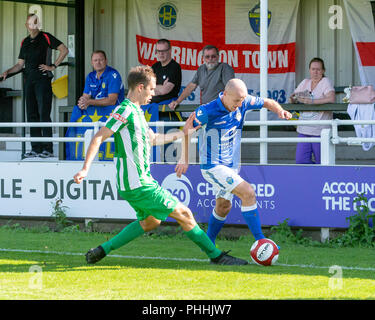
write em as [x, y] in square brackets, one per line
[305, 150]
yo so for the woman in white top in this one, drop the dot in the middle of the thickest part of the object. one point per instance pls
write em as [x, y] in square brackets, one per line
[316, 90]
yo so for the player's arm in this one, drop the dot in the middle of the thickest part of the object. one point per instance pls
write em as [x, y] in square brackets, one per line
[275, 107]
[159, 138]
[189, 129]
[187, 91]
[103, 134]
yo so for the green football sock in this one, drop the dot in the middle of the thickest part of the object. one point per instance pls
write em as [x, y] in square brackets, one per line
[129, 233]
[200, 238]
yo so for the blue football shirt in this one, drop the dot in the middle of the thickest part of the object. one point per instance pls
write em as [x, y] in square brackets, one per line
[110, 82]
[220, 137]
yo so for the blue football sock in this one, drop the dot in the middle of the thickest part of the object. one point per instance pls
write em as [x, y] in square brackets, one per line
[215, 223]
[251, 217]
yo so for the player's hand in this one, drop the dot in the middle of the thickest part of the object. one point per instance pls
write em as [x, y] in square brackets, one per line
[173, 105]
[79, 176]
[284, 114]
[181, 168]
[189, 125]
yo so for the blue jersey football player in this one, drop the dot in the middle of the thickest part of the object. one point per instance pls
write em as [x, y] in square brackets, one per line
[219, 152]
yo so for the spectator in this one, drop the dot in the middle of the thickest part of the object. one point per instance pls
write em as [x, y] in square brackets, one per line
[35, 56]
[103, 91]
[211, 77]
[168, 77]
[318, 89]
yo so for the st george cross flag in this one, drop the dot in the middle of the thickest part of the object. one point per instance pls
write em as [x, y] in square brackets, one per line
[231, 25]
[361, 22]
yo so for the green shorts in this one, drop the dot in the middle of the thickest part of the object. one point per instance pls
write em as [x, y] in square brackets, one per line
[151, 200]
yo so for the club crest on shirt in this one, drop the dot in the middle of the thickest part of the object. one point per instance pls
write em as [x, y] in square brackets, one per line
[229, 180]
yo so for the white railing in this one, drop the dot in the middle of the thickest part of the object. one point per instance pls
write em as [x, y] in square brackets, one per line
[329, 137]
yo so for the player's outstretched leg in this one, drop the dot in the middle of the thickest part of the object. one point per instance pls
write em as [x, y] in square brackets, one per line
[129, 233]
[185, 218]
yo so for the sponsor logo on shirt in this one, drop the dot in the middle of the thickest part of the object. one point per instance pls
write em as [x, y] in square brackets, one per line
[218, 123]
[229, 134]
[119, 117]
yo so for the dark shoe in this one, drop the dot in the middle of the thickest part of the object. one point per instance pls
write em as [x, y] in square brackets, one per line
[31, 154]
[226, 259]
[95, 254]
[46, 154]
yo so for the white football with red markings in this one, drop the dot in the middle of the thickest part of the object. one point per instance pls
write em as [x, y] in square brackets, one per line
[264, 252]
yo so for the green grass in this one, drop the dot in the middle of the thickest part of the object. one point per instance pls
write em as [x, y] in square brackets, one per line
[302, 272]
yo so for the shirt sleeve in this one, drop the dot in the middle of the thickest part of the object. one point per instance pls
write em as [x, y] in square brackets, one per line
[253, 102]
[175, 76]
[114, 82]
[196, 77]
[201, 115]
[119, 118]
[87, 90]
[54, 41]
[228, 73]
[22, 51]
[328, 86]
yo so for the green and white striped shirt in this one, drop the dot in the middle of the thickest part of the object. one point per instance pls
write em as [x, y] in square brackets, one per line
[132, 146]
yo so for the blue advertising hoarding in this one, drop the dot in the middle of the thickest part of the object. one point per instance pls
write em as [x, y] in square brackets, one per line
[309, 196]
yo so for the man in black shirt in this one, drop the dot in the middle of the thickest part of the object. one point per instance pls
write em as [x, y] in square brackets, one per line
[35, 55]
[168, 76]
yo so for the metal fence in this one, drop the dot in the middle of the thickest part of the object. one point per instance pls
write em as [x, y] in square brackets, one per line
[329, 137]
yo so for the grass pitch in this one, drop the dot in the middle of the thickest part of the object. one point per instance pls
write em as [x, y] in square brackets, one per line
[51, 266]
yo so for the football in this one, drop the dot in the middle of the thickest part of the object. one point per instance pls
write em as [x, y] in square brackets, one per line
[264, 252]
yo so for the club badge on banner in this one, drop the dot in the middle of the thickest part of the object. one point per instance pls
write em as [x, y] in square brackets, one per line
[233, 26]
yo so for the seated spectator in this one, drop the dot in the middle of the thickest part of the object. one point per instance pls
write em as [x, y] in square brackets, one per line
[103, 91]
[317, 89]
